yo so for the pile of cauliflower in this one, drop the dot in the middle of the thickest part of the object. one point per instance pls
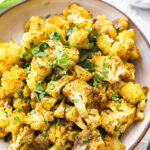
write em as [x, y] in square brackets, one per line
[70, 84]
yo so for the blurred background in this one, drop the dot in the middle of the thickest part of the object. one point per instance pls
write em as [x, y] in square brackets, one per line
[137, 10]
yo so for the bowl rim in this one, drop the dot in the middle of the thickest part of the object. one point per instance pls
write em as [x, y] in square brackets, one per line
[134, 26]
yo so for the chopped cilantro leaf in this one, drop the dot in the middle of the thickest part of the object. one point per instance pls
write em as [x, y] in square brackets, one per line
[39, 25]
[48, 16]
[115, 97]
[55, 36]
[42, 138]
[63, 61]
[39, 50]
[51, 86]
[98, 78]
[28, 69]
[81, 147]
[85, 140]
[105, 71]
[117, 26]
[17, 119]
[18, 110]
[32, 43]
[39, 87]
[5, 104]
[71, 30]
[117, 129]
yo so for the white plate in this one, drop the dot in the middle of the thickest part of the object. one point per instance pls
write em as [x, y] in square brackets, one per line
[11, 26]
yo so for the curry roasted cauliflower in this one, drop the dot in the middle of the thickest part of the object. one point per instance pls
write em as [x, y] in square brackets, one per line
[70, 83]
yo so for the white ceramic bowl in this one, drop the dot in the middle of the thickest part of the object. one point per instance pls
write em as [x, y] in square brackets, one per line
[11, 26]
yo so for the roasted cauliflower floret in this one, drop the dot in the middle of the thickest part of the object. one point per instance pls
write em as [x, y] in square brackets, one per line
[12, 81]
[80, 93]
[29, 40]
[124, 47]
[40, 118]
[89, 140]
[82, 73]
[42, 141]
[117, 116]
[39, 70]
[4, 122]
[140, 115]
[9, 55]
[113, 69]
[16, 120]
[48, 102]
[94, 118]
[132, 92]
[60, 21]
[121, 23]
[34, 23]
[78, 15]
[21, 104]
[103, 25]
[73, 115]
[113, 143]
[57, 133]
[60, 110]
[105, 43]
[54, 87]
[24, 137]
[80, 38]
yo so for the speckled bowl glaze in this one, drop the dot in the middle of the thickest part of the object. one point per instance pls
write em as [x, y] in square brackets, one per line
[11, 26]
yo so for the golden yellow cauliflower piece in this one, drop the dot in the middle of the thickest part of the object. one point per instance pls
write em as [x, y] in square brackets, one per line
[78, 15]
[9, 55]
[80, 38]
[117, 116]
[60, 21]
[54, 87]
[103, 25]
[94, 119]
[34, 23]
[121, 23]
[113, 143]
[12, 80]
[80, 93]
[113, 69]
[31, 39]
[42, 141]
[4, 122]
[16, 120]
[60, 110]
[48, 102]
[38, 120]
[124, 47]
[57, 133]
[72, 115]
[105, 44]
[24, 137]
[132, 92]
[140, 115]
[82, 73]
[39, 70]
[21, 104]
[89, 140]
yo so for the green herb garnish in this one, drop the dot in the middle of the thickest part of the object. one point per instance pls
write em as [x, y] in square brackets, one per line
[18, 110]
[115, 97]
[17, 119]
[39, 50]
[85, 140]
[105, 71]
[71, 30]
[117, 26]
[55, 36]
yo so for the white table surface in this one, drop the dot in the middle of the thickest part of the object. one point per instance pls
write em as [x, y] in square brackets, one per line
[142, 18]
